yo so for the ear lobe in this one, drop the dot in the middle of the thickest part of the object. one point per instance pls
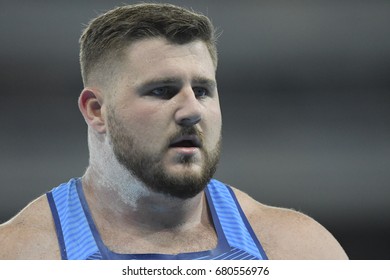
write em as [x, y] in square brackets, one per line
[91, 107]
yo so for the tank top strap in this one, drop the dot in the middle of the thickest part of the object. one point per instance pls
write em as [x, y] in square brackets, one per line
[73, 231]
[234, 223]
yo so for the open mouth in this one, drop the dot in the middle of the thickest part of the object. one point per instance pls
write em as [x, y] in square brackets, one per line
[186, 141]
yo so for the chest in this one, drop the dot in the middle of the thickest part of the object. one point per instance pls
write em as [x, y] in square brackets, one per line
[162, 242]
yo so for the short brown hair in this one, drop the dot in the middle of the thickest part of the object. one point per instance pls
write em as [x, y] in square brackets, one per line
[108, 34]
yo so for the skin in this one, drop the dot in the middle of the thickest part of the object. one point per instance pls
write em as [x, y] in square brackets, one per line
[121, 204]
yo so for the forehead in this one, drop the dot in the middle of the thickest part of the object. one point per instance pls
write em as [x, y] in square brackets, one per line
[156, 57]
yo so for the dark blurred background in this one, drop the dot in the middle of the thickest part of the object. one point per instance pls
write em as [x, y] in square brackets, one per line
[305, 93]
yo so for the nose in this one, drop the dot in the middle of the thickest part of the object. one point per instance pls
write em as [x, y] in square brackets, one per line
[189, 110]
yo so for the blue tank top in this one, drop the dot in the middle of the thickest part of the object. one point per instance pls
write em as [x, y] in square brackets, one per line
[79, 238]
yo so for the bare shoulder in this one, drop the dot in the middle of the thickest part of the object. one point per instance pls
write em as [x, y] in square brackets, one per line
[288, 234]
[30, 234]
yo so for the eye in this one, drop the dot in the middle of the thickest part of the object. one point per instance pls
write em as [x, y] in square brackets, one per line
[200, 92]
[163, 92]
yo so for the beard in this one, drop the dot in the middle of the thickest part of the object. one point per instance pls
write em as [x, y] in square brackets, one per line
[148, 167]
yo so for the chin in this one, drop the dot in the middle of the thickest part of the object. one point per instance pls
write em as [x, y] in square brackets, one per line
[185, 183]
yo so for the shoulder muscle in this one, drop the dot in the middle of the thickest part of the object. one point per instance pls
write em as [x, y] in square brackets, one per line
[288, 234]
[30, 234]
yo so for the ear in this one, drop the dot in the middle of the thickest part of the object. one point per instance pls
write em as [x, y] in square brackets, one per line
[92, 109]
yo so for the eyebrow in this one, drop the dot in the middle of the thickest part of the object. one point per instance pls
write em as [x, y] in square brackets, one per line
[205, 81]
[152, 83]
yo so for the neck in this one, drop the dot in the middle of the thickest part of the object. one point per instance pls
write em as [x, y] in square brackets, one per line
[116, 196]
[142, 208]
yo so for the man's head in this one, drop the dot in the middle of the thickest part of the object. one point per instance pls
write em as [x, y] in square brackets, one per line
[103, 41]
[159, 116]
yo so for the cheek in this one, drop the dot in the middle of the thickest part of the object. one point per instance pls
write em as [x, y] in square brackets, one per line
[214, 124]
[147, 124]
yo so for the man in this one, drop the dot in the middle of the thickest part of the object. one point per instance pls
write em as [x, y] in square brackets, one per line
[154, 131]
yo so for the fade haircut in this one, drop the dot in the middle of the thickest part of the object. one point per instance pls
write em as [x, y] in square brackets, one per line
[105, 37]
